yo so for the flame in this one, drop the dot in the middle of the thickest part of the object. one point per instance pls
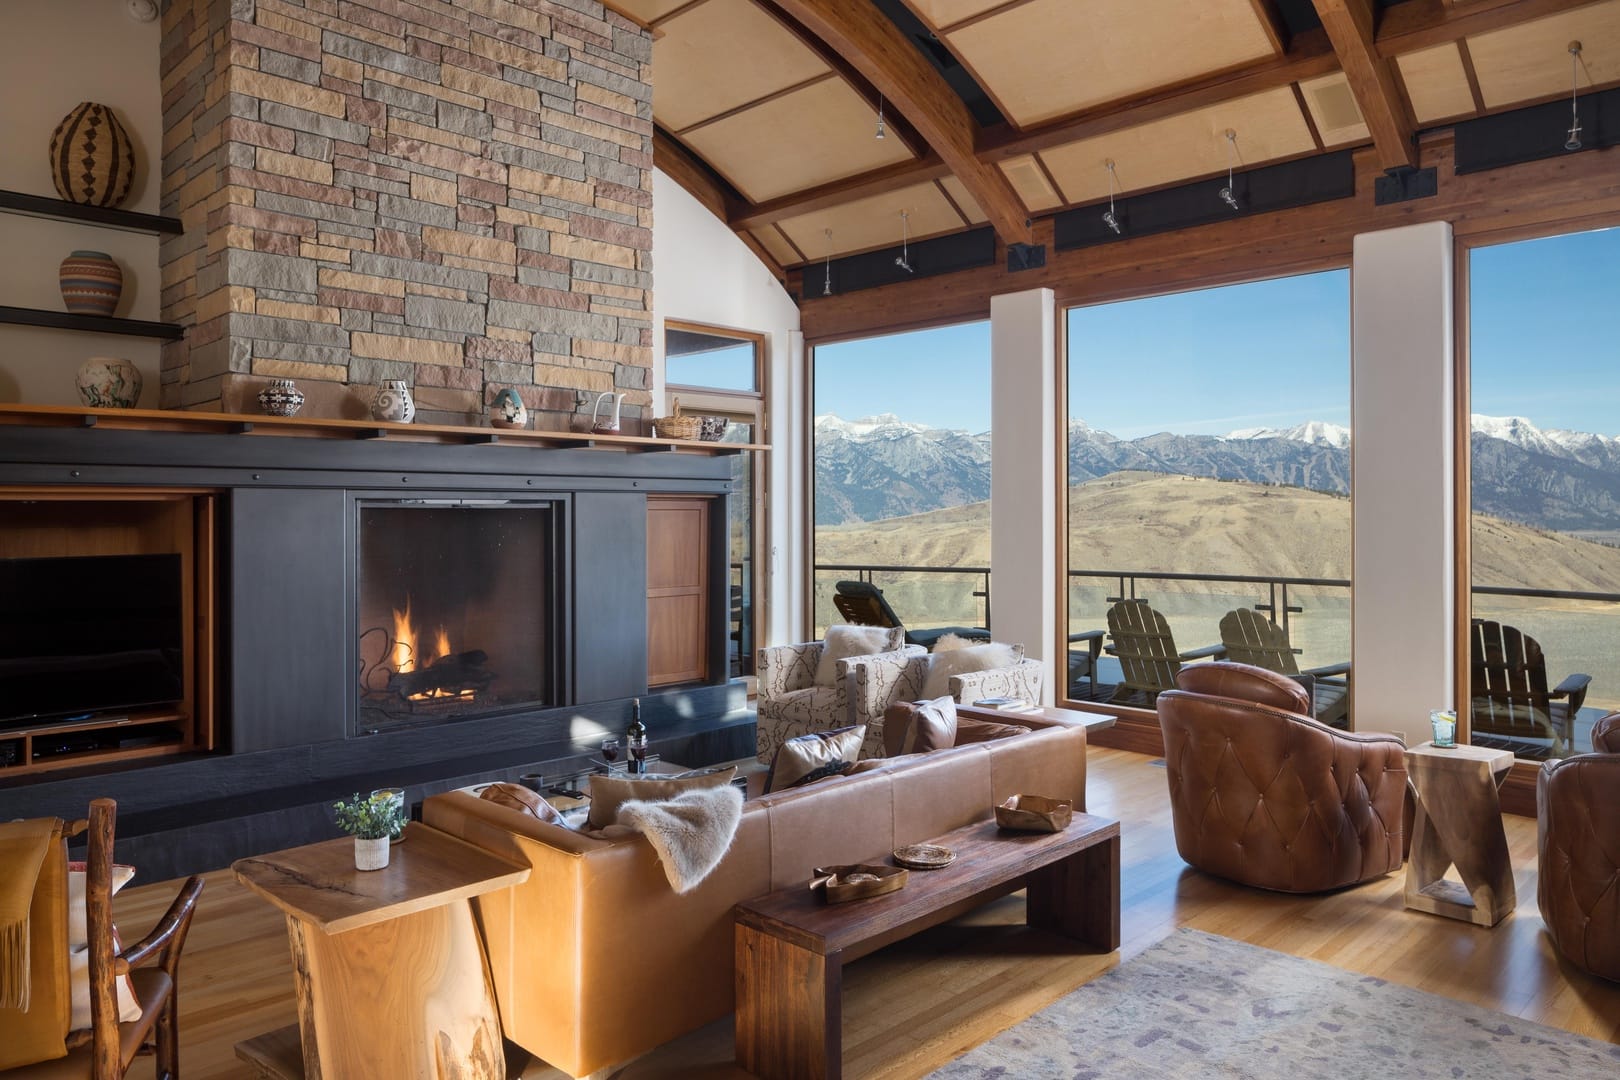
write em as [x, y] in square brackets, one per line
[441, 646]
[406, 654]
[404, 639]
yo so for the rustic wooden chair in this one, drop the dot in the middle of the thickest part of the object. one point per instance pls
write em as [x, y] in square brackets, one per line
[1146, 650]
[863, 604]
[1252, 638]
[107, 1049]
[1508, 688]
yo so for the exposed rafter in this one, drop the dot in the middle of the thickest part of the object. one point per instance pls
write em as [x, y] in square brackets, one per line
[1419, 24]
[680, 165]
[839, 192]
[1350, 26]
[877, 48]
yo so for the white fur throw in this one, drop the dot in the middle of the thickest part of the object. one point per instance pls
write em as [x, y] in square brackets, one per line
[942, 665]
[844, 640]
[691, 833]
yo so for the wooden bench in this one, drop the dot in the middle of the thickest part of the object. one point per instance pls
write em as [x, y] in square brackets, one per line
[791, 947]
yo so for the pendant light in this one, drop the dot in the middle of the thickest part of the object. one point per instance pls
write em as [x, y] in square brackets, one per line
[1108, 218]
[826, 281]
[1574, 140]
[1227, 193]
[903, 260]
[882, 132]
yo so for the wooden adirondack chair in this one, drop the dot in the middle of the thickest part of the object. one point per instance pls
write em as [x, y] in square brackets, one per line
[1508, 688]
[1147, 650]
[1252, 638]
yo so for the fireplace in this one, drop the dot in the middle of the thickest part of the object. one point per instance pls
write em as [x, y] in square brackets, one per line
[456, 603]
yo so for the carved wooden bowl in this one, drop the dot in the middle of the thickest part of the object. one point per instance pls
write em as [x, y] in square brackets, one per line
[838, 884]
[1034, 813]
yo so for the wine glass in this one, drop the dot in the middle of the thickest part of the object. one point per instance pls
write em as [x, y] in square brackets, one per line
[638, 752]
[611, 749]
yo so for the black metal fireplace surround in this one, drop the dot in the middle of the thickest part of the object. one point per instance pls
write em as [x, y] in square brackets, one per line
[519, 577]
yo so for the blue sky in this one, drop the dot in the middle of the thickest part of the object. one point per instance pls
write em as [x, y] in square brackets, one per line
[1270, 353]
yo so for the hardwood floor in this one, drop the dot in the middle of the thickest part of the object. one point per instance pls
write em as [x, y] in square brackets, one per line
[918, 1004]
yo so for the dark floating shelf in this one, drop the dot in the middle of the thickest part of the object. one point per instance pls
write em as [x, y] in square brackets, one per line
[98, 324]
[18, 202]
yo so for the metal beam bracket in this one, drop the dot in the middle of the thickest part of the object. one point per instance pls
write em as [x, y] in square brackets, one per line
[1405, 184]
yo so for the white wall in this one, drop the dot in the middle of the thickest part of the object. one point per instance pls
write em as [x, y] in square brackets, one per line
[53, 56]
[703, 273]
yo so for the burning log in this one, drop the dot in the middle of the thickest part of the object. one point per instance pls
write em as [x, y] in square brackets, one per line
[457, 675]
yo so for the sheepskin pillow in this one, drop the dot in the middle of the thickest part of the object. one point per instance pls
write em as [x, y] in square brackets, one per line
[608, 793]
[843, 641]
[942, 665]
[804, 759]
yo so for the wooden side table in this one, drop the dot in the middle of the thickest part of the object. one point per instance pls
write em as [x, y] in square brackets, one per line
[1459, 823]
[390, 969]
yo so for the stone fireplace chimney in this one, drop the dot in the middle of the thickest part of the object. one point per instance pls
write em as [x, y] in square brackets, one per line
[457, 195]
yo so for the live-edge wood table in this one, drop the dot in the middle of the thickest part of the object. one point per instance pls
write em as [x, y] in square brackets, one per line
[1459, 823]
[388, 964]
[791, 947]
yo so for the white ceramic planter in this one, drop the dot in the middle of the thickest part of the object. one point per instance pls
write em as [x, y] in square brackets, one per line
[370, 854]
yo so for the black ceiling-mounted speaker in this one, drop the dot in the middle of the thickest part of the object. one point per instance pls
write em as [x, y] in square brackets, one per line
[1405, 184]
[1025, 257]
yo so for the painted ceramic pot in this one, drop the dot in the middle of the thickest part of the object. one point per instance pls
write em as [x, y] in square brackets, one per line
[508, 410]
[281, 398]
[92, 159]
[394, 403]
[106, 382]
[91, 282]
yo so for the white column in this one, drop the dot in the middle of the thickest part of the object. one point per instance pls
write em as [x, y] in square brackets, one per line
[1023, 478]
[785, 495]
[1405, 477]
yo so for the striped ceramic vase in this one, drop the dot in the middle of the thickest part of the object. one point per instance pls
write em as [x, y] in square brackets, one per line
[91, 283]
[92, 159]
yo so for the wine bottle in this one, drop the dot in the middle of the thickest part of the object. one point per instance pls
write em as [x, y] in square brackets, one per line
[636, 738]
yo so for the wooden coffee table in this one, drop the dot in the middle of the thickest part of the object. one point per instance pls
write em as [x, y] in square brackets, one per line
[1459, 823]
[791, 947]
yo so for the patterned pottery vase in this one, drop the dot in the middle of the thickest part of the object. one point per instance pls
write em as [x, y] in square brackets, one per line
[508, 410]
[281, 398]
[106, 382]
[394, 403]
[91, 283]
[92, 159]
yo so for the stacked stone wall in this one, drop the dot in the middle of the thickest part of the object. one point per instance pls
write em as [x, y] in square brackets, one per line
[454, 194]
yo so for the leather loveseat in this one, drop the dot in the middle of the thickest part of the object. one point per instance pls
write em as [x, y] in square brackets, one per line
[595, 960]
[1262, 794]
[1578, 822]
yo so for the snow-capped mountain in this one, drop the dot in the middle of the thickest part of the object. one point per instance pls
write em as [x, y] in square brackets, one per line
[1314, 432]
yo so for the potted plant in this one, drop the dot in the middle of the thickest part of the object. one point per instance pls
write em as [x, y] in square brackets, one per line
[371, 820]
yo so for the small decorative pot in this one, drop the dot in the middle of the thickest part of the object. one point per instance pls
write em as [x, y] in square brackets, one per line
[370, 854]
[107, 382]
[394, 403]
[92, 159]
[281, 398]
[508, 410]
[92, 282]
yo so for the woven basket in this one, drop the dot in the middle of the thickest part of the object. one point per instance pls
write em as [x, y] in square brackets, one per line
[677, 426]
[92, 159]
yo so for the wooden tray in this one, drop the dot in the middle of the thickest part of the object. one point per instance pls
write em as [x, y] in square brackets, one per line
[924, 856]
[832, 885]
[1034, 813]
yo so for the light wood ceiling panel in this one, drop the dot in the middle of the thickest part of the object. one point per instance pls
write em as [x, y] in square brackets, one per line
[873, 222]
[776, 244]
[1436, 84]
[813, 136]
[1269, 126]
[941, 13]
[1048, 58]
[1031, 183]
[1532, 60]
[1334, 110]
[723, 54]
[959, 193]
[645, 11]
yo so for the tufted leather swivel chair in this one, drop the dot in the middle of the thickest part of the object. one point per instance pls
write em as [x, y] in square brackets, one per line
[1264, 795]
[1578, 890]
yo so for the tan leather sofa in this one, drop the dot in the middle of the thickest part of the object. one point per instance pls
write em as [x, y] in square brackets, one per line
[1264, 795]
[1578, 889]
[595, 960]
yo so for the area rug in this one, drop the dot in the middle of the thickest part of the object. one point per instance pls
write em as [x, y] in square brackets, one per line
[1197, 1005]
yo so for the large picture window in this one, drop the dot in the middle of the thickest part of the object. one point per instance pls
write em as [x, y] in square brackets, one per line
[1544, 640]
[1209, 488]
[902, 476]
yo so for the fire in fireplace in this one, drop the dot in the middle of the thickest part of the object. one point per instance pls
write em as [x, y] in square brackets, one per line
[454, 610]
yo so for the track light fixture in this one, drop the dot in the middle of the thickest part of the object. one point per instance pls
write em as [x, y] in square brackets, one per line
[1108, 218]
[882, 132]
[1228, 193]
[902, 260]
[826, 280]
[1574, 140]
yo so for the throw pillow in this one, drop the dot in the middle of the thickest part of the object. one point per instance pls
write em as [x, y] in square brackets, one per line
[942, 665]
[933, 727]
[519, 798]
[78, 934]
[129, 1008]
[608, 793]
[977, 731]
[804, 759]
[843, 641]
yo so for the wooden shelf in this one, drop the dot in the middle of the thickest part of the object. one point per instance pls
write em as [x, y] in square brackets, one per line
[96, 324]
[254, 426]
[18, 202]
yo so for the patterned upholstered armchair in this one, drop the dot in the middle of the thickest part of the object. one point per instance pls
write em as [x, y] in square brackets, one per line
[893, 678]
[792, 703]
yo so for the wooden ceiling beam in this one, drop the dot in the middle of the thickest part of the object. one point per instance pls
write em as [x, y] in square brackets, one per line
[888, 60]
[704, 185]
[1351, 27]
[877, 182]
[1420, 24]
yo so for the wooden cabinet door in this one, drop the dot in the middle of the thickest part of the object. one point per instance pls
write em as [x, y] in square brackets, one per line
[677, 589]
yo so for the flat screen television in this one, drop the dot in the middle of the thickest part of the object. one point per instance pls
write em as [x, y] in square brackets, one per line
[89, 634]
